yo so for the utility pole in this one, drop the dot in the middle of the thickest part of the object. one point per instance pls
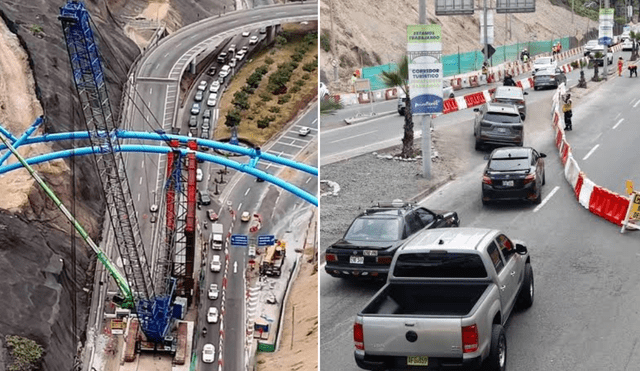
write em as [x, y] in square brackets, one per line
[426, 129]
[486, 32]
[334, 61]
[606, 48]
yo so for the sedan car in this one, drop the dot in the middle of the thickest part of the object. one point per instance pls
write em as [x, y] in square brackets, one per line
[215, 87]
[216, 264]
[193, 121]
[207, 114]
[199, 96]
[512, 95]
[199, 175]
[549, 78]
[253, 40]
[212, 101]
[208, 353]
[212, 71]
[244, 49]
[240, 56]
[374, 236]
[599, 50]
[304, 131]
[543, 63]
[245, 216]
[212, 215]
[513, 173]
[195, 109]
[206, 123]
[498, 123]
[627, 45]
[212, 315]
[213, 291]
[202, 86]
[246, 34]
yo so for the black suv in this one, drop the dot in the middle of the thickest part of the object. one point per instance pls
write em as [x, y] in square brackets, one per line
[499, 124]
[368, 246]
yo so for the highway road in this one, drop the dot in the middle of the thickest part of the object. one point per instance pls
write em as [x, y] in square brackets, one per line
[585, 271]
[341, 141]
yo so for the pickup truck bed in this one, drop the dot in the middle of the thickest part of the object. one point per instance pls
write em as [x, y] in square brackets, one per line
[452, 299]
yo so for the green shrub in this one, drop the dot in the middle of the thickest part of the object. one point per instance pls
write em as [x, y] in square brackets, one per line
[295, 89]
[25, 353]
[268, 60]
[280, 40]
[274, 109]
[306, 76]
[248, 89]
[298, 57]
[233, 118]
[325, 41]
[263, 69]
[263, 123]
[329, 105]
[299, 82]
[309, 67]
[284, 98]
[265, 97]
[311, 38]
[35, 29]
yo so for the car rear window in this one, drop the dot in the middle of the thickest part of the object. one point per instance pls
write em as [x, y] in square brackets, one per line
[375, 229]
[504, 164]
[546, 60]
[509, 94]
[502, 118]
[440, 265]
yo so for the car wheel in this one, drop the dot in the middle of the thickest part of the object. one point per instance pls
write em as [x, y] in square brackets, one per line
[497, 360]
[478, 144]
[535, 87]
[544, 178]
[538, 198]
[525, 299]
[401, 112]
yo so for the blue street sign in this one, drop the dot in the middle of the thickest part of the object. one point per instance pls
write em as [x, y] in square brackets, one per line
[240, 240]
[266, 240]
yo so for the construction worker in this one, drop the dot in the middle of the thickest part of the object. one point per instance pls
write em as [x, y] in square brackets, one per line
[620, 65]
[568, 113]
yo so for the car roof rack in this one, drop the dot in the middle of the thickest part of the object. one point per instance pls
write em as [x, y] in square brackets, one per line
[390, 205]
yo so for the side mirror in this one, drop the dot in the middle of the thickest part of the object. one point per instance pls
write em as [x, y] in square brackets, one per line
[476, 110]
[521, 249]
[525, 93]
[542, 155]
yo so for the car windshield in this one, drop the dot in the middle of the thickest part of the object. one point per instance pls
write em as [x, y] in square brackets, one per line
[506, 164]
[374, 229]
[502, 118]
[592, 42]
[546, 72]
[509, 93]
[544, 60]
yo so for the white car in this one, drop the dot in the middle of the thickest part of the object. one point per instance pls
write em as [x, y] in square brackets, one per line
[213, 291]
[232, 63]
[212, 315]
[199, 96]
[627, 45]
[199, 175]
[208, 353]
[304, 131]
[245, 216]
[323, 91]
[246, 34]
[195, 109]
[240, 56]
[216, 264]
[202, 85]
[589, 46]
[225, 70]
[214, 87]
[212, 101]
[244, 49]
[543, 63]
[253, 40]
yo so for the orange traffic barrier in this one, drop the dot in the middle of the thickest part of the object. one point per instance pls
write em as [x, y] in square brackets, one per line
[456, 84]
[391, 94]
[449, 105]
[363, 97]
[566, 148]
[579, 184]
[474, 99]
[473, 81]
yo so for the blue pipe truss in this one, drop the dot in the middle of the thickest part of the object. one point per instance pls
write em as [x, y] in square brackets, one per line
[245, 168]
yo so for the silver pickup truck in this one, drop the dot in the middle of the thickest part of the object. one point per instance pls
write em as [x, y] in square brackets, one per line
[448, 295]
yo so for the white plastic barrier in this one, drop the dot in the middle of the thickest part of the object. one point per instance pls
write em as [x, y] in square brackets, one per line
[571, 171]
[585, 192]
[462, 104]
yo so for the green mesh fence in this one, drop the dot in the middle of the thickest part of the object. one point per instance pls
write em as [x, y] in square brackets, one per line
[454, 64]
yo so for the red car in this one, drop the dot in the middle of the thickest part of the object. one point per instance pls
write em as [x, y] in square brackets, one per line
[212, 215]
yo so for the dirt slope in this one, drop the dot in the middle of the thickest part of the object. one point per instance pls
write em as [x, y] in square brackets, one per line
[379, 32]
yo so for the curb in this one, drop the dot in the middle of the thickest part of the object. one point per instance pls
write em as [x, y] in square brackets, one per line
[374, 115]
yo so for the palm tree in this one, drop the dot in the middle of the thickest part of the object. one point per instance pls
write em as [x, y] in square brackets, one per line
[400, 78]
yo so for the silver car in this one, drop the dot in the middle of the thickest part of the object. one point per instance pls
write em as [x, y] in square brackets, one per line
[512, 95]
[498, 124]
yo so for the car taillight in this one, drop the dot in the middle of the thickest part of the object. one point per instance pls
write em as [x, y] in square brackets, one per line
[331, 257]
[530, 178]
[486, 180]
[521, 102]
[469, 339]
[384, 259]
[358, 335]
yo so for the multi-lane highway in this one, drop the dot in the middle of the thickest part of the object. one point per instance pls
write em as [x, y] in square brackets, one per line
[586, 301]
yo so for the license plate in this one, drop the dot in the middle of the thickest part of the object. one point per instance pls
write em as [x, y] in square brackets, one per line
[356, 259]
[502, 130]
[417, 361]
[507, 183]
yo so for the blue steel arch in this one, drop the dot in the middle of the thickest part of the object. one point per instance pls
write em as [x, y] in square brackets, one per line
[245, 168]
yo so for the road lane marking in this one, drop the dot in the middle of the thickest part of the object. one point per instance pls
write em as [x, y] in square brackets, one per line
[590, 152]
[616, 125]
[247, 192]
[138, 197]
[308, 180]
[631, 101]
[354, 136]
[314, 121]
[618, 115]
[150, 90]
[240, 206]
[140, 181]
[638, 102]
[143, 164]
[553, 191]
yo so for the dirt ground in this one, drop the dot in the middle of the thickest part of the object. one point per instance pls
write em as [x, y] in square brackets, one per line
[378, 32]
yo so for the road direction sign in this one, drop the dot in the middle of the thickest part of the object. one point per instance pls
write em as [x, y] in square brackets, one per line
[266, 240]
[240, 240]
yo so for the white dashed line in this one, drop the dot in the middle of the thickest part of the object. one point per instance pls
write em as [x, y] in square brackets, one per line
[142, 164]
[308, 180]
[354, 136]
[150, 90]
[616, 125]
[618, 115]
[138, 197]
[140, 181]
[590, 152]
[247, 192]
[240, 207]
[638, 102]
[553, 191]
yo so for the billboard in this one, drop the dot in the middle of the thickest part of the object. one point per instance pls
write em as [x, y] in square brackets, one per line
[605, 31]
[454, 7]
[515, 6]
[424, 47]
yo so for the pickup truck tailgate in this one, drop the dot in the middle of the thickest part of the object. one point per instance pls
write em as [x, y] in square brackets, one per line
[431, 336]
